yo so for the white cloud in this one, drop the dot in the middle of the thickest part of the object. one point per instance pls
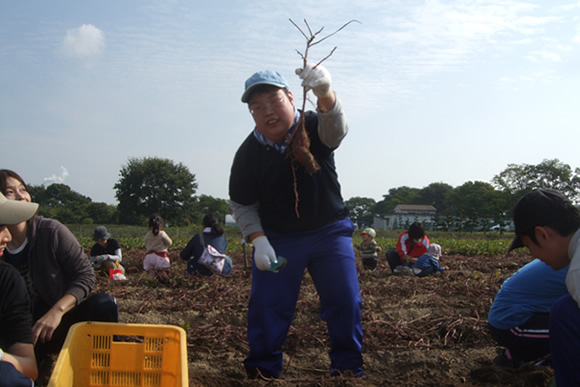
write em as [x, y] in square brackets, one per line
[537, 56]
[567, 7]
[83, 42]
[57, 179]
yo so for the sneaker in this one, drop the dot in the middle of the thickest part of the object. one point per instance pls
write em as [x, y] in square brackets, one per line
[504, 359]
[415, 270]
[346, 373]
[403, 270]
[543, 362]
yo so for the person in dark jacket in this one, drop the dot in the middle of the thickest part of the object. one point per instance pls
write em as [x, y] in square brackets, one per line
[57, 273]
[212, 234]
[106, 252]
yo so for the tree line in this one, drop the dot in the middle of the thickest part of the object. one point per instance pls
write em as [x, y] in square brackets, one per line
[155, 185]
[147, 186]
[474, 201]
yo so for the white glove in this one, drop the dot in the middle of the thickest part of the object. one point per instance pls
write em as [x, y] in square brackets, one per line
[264, 254]
[99, 259]
[316, 79]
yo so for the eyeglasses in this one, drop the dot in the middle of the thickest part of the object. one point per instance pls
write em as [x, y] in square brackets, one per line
[261, 109]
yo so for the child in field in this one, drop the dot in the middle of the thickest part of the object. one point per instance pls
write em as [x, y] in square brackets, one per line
[411, 245]
[156, 261]
[369, 248]
[548, 224]
[426, 264]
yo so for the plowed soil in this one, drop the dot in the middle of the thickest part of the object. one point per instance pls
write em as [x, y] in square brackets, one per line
[417, 331]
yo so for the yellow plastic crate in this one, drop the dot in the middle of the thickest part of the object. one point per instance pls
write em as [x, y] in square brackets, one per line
[110, 354]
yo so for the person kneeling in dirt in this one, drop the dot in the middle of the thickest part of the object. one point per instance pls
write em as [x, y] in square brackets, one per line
[410, 246]
[520, 314]
[156, 262]
[106, 252]
[212, 234]
[548, 224]
[426, 264]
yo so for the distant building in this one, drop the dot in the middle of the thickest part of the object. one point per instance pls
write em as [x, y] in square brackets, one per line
[405, 214]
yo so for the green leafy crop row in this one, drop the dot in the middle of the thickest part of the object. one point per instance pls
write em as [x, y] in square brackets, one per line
[468, 244]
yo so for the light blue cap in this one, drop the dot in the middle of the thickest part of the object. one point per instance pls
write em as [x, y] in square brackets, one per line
[265, 77]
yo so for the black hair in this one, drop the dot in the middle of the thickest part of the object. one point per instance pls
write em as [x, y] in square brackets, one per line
[565, 226]
[5, 174]
[210, 220]
[416, 231]
[155, 223]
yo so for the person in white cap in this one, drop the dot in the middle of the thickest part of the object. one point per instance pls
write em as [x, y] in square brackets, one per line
[17, 360]
[369, 248]
[285, 195]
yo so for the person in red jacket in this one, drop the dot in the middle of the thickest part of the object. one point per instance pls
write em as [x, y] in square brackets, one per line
[411, 245]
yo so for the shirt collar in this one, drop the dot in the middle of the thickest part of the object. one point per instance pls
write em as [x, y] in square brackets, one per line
[280, 147]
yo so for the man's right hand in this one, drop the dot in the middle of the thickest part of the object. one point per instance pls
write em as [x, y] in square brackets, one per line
[264, 253]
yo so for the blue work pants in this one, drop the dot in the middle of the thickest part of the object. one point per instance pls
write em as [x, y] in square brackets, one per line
[328, 255]
[565, 341]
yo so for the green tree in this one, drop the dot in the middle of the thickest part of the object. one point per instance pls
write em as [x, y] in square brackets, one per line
[154, 185]
[102, 213]
[60, 195]
[474, 201]
[400, 195]
[361, 210]
[208, 204]
[516, 180]
[59, 201]
[437, 195]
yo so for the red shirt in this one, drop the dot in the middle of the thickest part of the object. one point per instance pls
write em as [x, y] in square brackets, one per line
[405, 246]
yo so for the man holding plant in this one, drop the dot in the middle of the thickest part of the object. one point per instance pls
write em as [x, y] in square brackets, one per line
[285, 195]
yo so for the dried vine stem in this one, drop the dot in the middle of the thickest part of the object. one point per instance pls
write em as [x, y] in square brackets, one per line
[299, 150]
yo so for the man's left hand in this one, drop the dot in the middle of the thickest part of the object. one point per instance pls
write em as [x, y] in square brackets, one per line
[316, 79]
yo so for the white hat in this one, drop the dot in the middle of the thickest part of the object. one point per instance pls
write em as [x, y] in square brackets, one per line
[15, 211]
[434, 250]
[371, 231]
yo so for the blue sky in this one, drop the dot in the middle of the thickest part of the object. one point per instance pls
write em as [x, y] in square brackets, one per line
[434, 91]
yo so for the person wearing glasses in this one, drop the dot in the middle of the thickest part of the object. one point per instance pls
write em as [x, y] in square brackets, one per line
[285, 195]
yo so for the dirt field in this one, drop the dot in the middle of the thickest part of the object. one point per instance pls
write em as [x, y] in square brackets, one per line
[417, 331]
